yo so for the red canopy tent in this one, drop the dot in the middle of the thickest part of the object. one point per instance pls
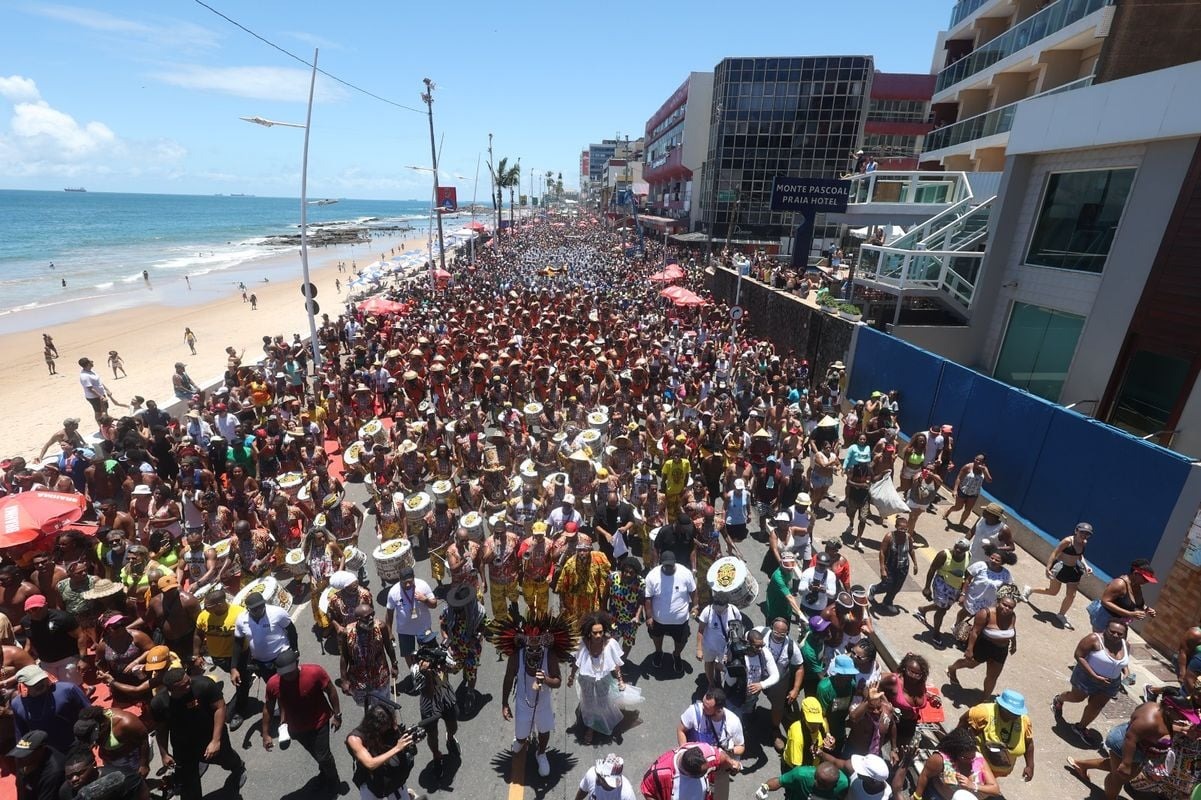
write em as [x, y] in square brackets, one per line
[477, 226]
[686, 298]
[671, 292]
[380, 305]
[25, 517]
[671, 273]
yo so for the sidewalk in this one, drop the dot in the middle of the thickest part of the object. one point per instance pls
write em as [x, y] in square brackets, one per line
[1041, 666]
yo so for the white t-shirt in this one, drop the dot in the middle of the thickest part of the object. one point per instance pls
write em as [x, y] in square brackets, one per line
[401, 603]
[592, 788]
[723, 730]
[713, 630]
[829, 589]
[670, 595]
[93, 389]
[982, 591]
[268, 636]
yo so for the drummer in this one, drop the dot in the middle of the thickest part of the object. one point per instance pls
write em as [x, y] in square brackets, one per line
[347, 594]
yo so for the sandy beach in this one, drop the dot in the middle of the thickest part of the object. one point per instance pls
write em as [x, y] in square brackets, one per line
[150, 339]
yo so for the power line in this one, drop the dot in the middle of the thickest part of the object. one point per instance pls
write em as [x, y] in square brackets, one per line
[308, 64]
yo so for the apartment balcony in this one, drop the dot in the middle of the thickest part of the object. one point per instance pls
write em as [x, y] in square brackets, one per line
[666, 168]
[1063, 24]
[910, 197]
[964, 9]
[962, 137]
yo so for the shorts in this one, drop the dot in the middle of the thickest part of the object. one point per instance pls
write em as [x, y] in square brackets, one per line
[909, 472]
[1067, 573]
[821, 481]
[678, 631]
[364, 697]
[944, 594]
[967, 498]
[1115, 740]
[407, 644]
[540, 719]
[737, 532]
[1086, 683]
[98, 404]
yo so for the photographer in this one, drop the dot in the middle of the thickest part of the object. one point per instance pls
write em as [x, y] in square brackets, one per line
[749, 670]
[817, 585]
[436, 699]
[383, 755]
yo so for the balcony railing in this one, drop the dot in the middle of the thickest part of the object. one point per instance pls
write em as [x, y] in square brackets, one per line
[990, 123]
[911, 186]
[1050, 20]
[963, 9]
[949, 272]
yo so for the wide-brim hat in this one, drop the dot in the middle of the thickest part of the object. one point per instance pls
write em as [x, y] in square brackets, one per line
[461, 596]
[102, 588]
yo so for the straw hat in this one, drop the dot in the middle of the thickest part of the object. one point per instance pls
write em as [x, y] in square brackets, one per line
[102, 588]
[407, 446]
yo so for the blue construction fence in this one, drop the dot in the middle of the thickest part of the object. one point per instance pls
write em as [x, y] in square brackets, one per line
[1051, 466]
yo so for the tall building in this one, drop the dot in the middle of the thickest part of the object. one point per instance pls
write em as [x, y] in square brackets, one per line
[598, 158]
[898, 119]
[998, 53]
[799, 117]
[677, 140]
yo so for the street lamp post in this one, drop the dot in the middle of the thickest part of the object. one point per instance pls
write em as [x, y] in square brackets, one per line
[304, 206]
[428, 97]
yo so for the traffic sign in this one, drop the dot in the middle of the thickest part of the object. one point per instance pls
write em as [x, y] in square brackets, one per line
[312, 290]
[312, 307]
[735, 313]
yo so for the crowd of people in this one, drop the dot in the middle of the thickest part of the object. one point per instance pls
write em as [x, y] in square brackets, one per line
[571, 460]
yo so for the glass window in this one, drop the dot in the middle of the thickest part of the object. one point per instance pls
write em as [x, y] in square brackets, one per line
[1037, 350]
[1151, 388]
[1080, 212]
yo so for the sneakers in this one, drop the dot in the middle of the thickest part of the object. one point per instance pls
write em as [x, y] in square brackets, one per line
[543, 764]
[517, 745]
[235, 721]
[1057, 707]
[1026, 591]
[657, 659]
[1065, 622]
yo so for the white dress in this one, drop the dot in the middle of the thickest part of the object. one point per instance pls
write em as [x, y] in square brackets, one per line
[597, 687]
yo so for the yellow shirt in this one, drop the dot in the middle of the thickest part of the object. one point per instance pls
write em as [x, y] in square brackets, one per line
[675, 474]
[219, 631]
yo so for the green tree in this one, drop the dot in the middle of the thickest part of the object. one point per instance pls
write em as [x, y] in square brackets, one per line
[507, 176]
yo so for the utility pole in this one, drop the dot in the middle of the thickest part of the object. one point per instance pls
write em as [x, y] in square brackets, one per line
[492, 176]
[715, 160]
[428, 97]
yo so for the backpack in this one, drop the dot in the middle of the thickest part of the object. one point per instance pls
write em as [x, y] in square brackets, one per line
[659, 779]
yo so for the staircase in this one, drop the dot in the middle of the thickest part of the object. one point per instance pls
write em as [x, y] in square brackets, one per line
[939, 258]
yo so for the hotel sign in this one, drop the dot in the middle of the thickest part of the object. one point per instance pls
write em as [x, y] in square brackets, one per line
[810, 195]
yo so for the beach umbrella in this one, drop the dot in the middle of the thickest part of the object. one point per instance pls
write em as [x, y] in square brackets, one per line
[381, 305]
[672, 292]
[477, 226]
[26, 516]
[687, 298]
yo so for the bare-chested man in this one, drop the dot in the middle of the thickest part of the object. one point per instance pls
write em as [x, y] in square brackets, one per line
[13, 593]
[121, 521]
[174, 612]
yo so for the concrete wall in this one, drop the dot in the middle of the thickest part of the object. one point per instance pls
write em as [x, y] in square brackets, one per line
[696, 135]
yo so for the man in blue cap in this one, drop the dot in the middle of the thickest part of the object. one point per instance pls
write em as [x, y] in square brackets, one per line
[835, 692]
[1003, 733]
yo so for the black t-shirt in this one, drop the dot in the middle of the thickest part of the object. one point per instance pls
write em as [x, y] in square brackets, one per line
[130, 789]
[51, 636]
[43, 784]
[611, 519]
[681, 543]
[190, 716]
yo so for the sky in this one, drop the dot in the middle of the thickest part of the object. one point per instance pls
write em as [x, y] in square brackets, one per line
[146, 96]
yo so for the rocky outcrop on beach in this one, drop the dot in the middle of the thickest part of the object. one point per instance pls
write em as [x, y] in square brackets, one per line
[321, 236]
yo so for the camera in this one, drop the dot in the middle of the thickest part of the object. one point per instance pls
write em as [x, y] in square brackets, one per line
[438, 657]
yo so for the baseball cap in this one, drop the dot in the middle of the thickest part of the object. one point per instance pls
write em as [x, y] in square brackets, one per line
[571, 527]
[819, 623]
[740, 484]
[255, 600]
[31, 675]
[29, 744]
[610, 766]
[35, 601]
[286, 662]
[158, 658]
[569, 498]
[167, 583]
[667, 558]
[871, 767]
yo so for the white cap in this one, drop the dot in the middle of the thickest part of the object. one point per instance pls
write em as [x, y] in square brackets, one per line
[740, 484]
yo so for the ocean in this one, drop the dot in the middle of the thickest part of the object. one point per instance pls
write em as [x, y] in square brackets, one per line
[100, 242]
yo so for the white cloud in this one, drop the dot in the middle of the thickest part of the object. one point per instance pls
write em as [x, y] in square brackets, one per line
[312, 40]
[163, 32]
[42, 140]
[282, 84]
[18, 89]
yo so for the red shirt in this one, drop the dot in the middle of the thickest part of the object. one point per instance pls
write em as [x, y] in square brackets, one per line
[303, 700]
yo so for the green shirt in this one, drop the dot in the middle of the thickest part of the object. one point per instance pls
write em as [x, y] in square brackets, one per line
[778, 592]
[799, 784]
[814, 665]
[836, 705]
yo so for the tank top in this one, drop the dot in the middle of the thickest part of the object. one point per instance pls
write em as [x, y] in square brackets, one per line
[952, 571]
[121, 661]
[736, 511]
[983, 531]
[525, 685]
[1102, 662]
[970, 484]
[194, 561]
[915, 459]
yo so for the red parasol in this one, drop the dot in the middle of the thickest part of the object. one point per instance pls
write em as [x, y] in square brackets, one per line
[441, 274]
[381, 305]
[477, 226]
[685, 298]
[671, 273]
[26, 516]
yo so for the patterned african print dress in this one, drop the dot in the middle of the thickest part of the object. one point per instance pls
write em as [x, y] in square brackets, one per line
[625, 598]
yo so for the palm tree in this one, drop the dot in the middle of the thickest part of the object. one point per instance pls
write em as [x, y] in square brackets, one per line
[506, 177]
[559, 185]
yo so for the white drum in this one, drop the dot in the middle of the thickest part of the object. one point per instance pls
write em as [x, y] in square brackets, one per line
[548, 484]
[529, 473]
[374, 432]
[290, 482]
[354, 558]
[323, 600]
[599, 420]
[593, 439]
[354, 453]
[731, 581]
[200, 591]
[270, 589]
[390, 558]
[417, 506]
[516, 484]
[495, 519]
[532, 412]
[473, 521]
[296, 563]
[221, 548]
[442, 489]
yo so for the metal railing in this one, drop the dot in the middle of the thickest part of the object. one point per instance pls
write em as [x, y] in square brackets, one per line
[912, 186]
[990, 123]
[1050, 20]
[963, 9]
